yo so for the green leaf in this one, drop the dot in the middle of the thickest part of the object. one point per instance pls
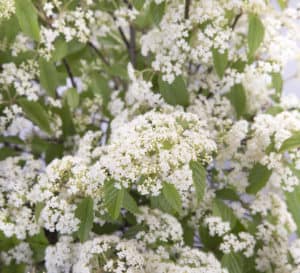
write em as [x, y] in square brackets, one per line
[100, 87]
[38, 209]
[48, 77]
[53, 150]
[293, 204]
[172, 196]
[225, 212]
[258, 178]
[227, 194]
[36, 113]
[138, 4]
[129, 203]
[13, 268]
[283, 3]
[156, 12]
[72, 97]
[199, 179]
[277, 83]
[174, 93]
[7, 152]
[85, 213]
[188, 233]
[7, 243]
[113, 198]
[160, 202]
[67, 121]
[233, 262]
[28, 19]
[220, 61]
[291, 143]
[38, 244]
[256, 32]
[237, 97]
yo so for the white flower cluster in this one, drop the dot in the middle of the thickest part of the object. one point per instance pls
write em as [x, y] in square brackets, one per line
[7, 8]
[18, 175]
[22, 78]
[160, 144]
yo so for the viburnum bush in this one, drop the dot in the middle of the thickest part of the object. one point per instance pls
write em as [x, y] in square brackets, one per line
[148, 136]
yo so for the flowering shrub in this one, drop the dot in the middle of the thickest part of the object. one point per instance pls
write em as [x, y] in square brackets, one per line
[148, 136]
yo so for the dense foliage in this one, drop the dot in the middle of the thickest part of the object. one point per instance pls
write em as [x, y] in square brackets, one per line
[148, 136]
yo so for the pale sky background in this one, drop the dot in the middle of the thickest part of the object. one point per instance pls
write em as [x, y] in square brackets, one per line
[292, 83]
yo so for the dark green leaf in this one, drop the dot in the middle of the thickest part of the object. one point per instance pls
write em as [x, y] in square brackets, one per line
[220, 61]
[160, 202]
[113, 198]
[237, 97]
[7, 152]
[48, 76]
[129, 203]
[13, 268]
[199, 179]
[172, 196]
[38, 244]
[85, 213]
[225, 212]
[174, 93]
[67, 121]
[54, 150]
[291, 143]
[28, 19]
[36, 113]
[256, 32]
[258, 178]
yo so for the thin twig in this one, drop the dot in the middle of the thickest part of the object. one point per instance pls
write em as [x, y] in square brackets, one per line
[99, 53]
[132, 33]
[236, 19]
[187, 9]
[69, 71]
[132, 46]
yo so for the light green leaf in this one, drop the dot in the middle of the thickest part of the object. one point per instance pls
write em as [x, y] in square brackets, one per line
[72, 97]
[138, 4]
[36, 113]
[233, 262]
[258, 178]
[256, 32]
[277, 83]
[237, 97]
[113, 198]
[48, 76]
[283, 3]
[28, 19]
[291, 143]
[129, 203]
[174, 93]
[293, 204]
[85, 213]
[199, 179]
[220, 61]
[225, 212]
[156, 12]
[172, 196]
